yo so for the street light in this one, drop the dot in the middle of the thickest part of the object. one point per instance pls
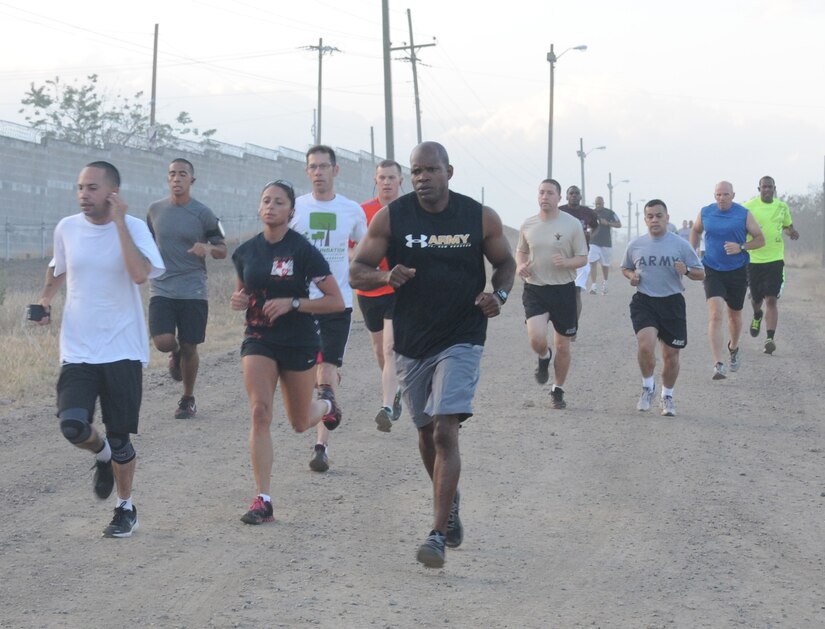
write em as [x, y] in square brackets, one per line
[611, 185]
[552, 58]
[582, 155]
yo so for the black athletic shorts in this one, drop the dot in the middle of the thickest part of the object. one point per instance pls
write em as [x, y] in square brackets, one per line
[334, 335]
[118, 385]
[376, 310]
[187, 316]
[287, 358]
[766, 279]
[732, 286]
[666, 314]
[556, 300]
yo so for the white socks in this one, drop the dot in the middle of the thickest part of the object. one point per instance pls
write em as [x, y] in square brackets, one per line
[125, 503]
[105, 453]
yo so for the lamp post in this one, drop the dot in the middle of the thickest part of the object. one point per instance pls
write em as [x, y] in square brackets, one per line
[552, 57]
[581, 153]
[629, 216]
[611, 185]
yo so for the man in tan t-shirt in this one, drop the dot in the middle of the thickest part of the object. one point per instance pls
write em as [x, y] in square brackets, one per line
[551, 247]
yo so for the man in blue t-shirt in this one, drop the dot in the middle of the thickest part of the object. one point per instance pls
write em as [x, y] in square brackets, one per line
[726, 226]
[654, 264]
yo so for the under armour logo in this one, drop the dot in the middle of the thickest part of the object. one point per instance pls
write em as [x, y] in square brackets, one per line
[422, 242]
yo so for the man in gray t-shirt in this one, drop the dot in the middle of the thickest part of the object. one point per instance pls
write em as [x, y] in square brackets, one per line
[186, 231]
[601, 245]
[655, 264]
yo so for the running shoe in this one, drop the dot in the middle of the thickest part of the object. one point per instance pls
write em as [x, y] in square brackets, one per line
[104, 479]
[455, 529]
[174, 366]
[123, 524]
[604, 288]
[383, 419]
[396, 405]
[735, 363]
[320, 460]
[720, 372]
[333, 418]
[186, 408]
[543, 370]
[431, 552]
[756, 325]
[668, 408]
[594, 289]
[770, 346]
[645, 398]
[260, 511]
[557, 398]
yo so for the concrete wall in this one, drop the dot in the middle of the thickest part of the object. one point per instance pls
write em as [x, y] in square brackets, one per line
[38, 176]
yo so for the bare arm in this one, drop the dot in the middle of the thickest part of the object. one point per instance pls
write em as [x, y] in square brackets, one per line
[758, 238]
[523, 265]
[137, 265]
[203, 249]
[364, 273]
[497, 251]
[696, 232]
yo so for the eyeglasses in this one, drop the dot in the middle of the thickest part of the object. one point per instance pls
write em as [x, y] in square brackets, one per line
[313, 167]
[280, 182]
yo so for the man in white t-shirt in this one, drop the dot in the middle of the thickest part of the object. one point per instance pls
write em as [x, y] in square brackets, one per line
[329, 221]
[102, 255]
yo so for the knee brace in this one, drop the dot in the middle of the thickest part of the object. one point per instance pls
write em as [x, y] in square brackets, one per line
[122, 449]
[75, 424]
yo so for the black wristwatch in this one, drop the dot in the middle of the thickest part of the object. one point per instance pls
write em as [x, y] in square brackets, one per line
[742, 247]
[502, 295]
[296, 303]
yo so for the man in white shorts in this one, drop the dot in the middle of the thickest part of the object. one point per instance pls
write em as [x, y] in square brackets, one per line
[590, 222]
[601, 246]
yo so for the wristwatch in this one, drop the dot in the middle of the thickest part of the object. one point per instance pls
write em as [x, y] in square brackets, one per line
[296, 303]
[742, 246]
[502, 295]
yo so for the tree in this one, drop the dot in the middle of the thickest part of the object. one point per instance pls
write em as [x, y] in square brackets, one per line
[79, 113]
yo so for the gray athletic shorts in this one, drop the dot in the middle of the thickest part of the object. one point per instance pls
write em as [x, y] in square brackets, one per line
[443, 384]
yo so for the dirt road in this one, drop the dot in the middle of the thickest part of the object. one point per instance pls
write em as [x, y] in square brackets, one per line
[596, 516]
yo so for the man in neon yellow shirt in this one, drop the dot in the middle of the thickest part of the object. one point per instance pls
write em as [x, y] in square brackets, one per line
[766, 271]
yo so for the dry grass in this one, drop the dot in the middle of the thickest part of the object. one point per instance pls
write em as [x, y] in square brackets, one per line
[30, 363]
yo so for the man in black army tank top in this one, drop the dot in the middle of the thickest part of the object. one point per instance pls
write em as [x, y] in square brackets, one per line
[435, 242]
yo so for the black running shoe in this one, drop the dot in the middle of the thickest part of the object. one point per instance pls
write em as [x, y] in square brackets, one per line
[455, 530]
[123, 524]
[319, 461]
[431, 552]
[333, 418]
[543, 370]
[104, 480]
[383, 419]
[186, 408]
[557, 398]
[756, 325]
[260, 511]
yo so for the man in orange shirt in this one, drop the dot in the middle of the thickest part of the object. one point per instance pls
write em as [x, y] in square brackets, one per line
[377, 305]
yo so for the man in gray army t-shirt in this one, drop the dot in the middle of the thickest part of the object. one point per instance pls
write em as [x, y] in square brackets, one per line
[186, 231]
[654, 264]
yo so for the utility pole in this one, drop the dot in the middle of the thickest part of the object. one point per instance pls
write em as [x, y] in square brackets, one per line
[629, 216]
[322, 50]
[388, 122]
[152, 133]
[413, 59]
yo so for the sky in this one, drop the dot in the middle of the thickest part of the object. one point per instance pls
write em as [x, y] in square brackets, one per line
[681, 95]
